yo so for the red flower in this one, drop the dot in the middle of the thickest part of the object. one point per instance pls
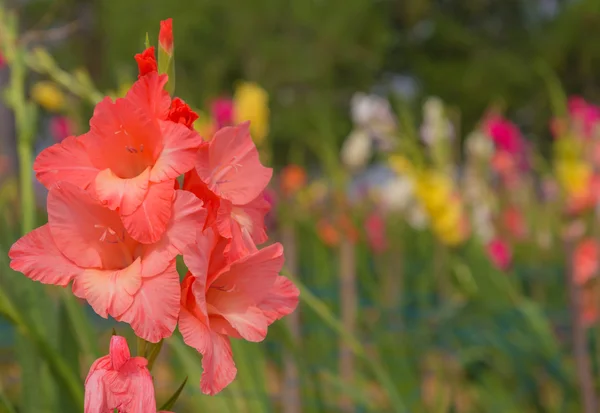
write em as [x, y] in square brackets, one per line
[180, 112]
[165, 36]
[146, 62]
[375, 227]
[500, 253]
[586, 260]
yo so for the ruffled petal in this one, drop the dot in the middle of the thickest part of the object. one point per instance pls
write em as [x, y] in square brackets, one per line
[66, 161]
[149, 222]
[149, 93]
[109, 292]
[37, 256]
[180, 146]
[217, 359]
[80, 225]
[230, 165]
[153, 314]
[281, 300]
[187, 218]
[125, 194]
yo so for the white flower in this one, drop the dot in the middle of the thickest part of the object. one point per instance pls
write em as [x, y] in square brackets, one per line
[371, 110]
[482, 223]
[397, 193]
[417, 218]
[435, 126]
[357, 149]
[479, 145]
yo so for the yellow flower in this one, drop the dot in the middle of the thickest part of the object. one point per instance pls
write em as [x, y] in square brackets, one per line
[434, 190]
[251, 102]
[574, 176]
[48, 95]
[401, 165]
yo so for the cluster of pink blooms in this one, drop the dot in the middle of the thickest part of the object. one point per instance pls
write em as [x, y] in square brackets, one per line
[118, 218]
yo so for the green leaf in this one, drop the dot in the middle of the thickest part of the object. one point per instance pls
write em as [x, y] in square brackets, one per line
[153, 350]
[169, 404]
[147, 41]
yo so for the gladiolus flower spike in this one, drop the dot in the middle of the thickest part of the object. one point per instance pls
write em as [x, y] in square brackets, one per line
[117, 220]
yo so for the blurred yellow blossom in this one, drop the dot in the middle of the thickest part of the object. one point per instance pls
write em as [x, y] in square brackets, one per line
[401, 165]
[574, 176]
[251, 102]
[443, 206]
[48, 95]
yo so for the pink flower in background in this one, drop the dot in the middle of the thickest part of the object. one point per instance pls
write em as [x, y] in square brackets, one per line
[2, 61]
[589, 307]
[119, 381]
[376, 237]
[586, 260]
[221, 299]
[514, 222]
[505, 134]
[584, 116]
[500, 253]
[61, 127]
[222, 112]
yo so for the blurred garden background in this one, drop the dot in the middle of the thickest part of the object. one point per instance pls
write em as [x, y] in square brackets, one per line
[436, 189]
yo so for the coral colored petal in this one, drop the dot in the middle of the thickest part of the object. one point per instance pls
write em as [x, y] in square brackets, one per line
[212, 202]
[80, 225]
[149, 93]
[149, 222]
[119, 352]
[251, 278]
[95, 392]
[217, 359]
[109, 292]
[230, 165]
[153, 314]
[126, 194]
[250, 322]
[66, 161]
[187, 218]
[180, 146]
[142, 393]
[281, 300]
[37, 256]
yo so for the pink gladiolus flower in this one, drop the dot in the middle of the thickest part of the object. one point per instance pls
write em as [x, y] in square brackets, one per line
[375, 227]
[119, 381]
[500, 253]
[586, 260]
[61, 127]
[230, 180]
[86, 242]
[129, 159]
[514, 222]
[238, 299]
[222, 112]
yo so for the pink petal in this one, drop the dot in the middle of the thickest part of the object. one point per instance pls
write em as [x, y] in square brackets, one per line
[187, 218]
[109, 292]
[281, 300]
[149, 222]
[153, 314]
[119, 352]
[37, 256]
[149, 93]
[142, 393]
[250, 322]
[79, 225]
[249, 280]
[180, 146]
[95, 393]
[66, 161]
[230, 165]
[125, 194]
[217, 359]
